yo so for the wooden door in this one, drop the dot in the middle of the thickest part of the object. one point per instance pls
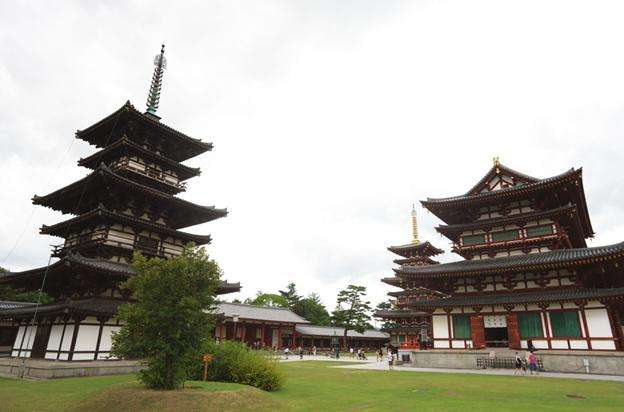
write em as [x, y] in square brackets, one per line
[513, 331]
[477, 331]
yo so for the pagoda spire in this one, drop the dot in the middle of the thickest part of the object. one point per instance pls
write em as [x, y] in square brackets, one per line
[414, 227]
[153, 97]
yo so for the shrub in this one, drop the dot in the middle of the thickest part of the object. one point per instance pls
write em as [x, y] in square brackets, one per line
[235, 362]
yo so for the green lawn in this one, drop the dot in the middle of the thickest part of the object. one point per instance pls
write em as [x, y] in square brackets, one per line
[314, 386]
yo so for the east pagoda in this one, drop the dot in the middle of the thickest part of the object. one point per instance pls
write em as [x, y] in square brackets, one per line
[126, 203]
[528, 279]
[410, 328]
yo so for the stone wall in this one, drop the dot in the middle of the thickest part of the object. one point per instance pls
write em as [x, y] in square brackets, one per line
[44, 369]
[605, 363]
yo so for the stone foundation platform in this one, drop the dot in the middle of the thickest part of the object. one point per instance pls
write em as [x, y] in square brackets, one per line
[48, 369]
[563, 361]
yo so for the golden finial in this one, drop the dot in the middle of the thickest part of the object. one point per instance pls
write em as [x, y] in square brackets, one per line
[414, 227]
[496, 161]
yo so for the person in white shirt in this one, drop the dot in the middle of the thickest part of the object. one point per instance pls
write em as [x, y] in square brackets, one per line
[390, 360]
[286, 351]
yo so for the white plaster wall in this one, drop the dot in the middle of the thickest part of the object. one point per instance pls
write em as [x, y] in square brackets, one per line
[594, 304]
[569, 305]
[598, 323]
[106, 341]
[69, 332]
[440, 327]
[18, 339]
[86, 341]
[54, 341]
[440, 344]
[458, 344]
[578, 344]
[559, 344]
[603, 344]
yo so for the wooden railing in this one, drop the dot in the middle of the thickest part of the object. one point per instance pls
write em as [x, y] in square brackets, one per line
[152, 173]
[160, 250]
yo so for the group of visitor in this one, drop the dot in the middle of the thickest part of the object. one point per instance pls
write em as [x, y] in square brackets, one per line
[528, 361]
[360, 354]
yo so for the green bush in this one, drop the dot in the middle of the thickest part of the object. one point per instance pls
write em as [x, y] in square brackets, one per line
[235, 362]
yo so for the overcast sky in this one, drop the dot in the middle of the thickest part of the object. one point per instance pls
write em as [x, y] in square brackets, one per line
[329, 118]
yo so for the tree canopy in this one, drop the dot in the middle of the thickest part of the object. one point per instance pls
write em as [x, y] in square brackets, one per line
[170, 319]
[290, 295]
[352, 311]
[313, 310]
[272, 300]
[21, 295]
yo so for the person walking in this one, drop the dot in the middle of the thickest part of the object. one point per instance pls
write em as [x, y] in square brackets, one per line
[351, 352]
[519, 365]
[286, 352]
[532, 363]
[314, 350]
[390, 360]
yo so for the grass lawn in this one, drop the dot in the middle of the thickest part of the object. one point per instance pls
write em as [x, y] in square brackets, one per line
[314, 386]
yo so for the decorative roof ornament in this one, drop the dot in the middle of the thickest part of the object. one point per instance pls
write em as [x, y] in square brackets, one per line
[153, 97]
[496, 161]
[415, 240]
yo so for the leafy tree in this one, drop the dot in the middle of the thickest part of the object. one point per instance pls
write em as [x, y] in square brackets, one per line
[236, 301]
[386, 305]
[268, 299]
[169, 321]
[313, 310]
[290, 294]
[352, 312]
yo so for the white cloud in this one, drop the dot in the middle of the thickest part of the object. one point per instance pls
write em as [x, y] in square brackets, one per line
[329, 118]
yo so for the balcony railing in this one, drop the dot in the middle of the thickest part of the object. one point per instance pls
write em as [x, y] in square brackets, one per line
[102, 238]
[150, 172]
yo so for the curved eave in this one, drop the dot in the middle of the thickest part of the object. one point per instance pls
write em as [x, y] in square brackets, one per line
[559, 295]
[415, 249]
[417, 260]
[103, 214]
[92, 162]
[225, 288]
[441, 206]
[453, 231]
[394, 281]
[99, 133]
[77, 189]
[390, 314]
[556, 259]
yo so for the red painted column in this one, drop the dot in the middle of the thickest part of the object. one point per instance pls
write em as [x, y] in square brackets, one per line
[478, 331]
[513, 331]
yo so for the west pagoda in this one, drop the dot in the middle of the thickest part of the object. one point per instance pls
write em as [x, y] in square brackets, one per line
[126, 203]
[410, 328]
[528, 278]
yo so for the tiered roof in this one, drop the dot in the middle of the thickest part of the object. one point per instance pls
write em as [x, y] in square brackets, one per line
[138, 126]
[560, 189]
[86, 194]
[556, 259]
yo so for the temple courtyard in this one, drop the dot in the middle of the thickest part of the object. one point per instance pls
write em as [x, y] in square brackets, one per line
[324, 385]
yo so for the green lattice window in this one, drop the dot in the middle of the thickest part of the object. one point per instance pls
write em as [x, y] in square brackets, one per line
[565, 324]
[469, 240]
[530, 325]
[461, 327]
[401, 338]
[504, 236]
[539, 231]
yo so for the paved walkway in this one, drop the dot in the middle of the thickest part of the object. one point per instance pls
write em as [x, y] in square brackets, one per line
[383, 366]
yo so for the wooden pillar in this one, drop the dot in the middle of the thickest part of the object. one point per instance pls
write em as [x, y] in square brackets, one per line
[584, 318]
[513, 331]
[543, 306]
[243, 331]
[477, 331]
[262, 342]
[99, 338]
[293, 344]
